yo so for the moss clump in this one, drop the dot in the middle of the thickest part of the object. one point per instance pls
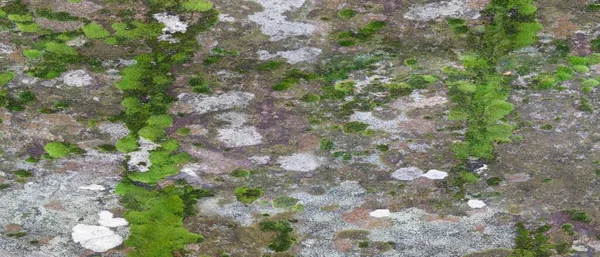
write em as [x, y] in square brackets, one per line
[326, 144]
[248, 195]
[284, 202]
[270, 65]
[579, 215]
[458, 26]
[197, 5]
[156, 218]
[163, 120]
[107, 148]
[95, 31]
[284, 240]
[59, 48]
[127, 144]
[589, 84]
[6, 77]
[371, 28]
[354, 127]
[23, 173]
[199, 85]
[32, 53]
[183, 131]
[310, 98]
[28, 27]
[585, 105]
[240, 173]
[152, 133]
[56, 16]
[346, 87]
[581, 68]
[61, 149]
[410, 62]
[493, 181]
[347, 13]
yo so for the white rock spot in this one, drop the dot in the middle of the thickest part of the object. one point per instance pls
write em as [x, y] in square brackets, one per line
[476, 204]
[5, 49]
[407, 174]
[107, 220]
[239, 136]
[77, 78]
[96, 238]
[201, 104]
[226, 18]
[380, 213]
[273, 23]
[435, 174]
[92, 187]
[140, 159]
[377, 123]
[481, 169]
[299, 162]
[260, 159]
[172, 25]
[305, 54]
[452, 8]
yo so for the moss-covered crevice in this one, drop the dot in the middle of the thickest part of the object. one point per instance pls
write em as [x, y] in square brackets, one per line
[479, 90]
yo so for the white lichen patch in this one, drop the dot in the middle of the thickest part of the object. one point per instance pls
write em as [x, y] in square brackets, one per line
[239, 136]
[407, 174]
[114, 130]
[107, 220]
[201, 104]
[93, 187]
[417, 100]
[235, 119]
[77, 78]
[260, 159]
[236, 134]
[452, 8]
[435, 174]
[380, 213]
[476, 204]
[5, 49]
[173, 24]
[77, 41]
[377, 123]
[226, 18]
[299, 162]
[140, 159]
[304, 54]
[96, 238]
[273, 23]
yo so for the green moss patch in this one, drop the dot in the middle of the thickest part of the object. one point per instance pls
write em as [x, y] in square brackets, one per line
[283, 240]
[196, 5]
[248, 195]
[95, 31]
[61, 149]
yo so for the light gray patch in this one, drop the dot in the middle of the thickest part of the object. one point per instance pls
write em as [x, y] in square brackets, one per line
[5, 49]
[239, 136]
[407, 174]
[299, 162]
[431, 11]
[202, 104]
[140, 159]
[77, 78]
[273, 23]
[305, 54]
